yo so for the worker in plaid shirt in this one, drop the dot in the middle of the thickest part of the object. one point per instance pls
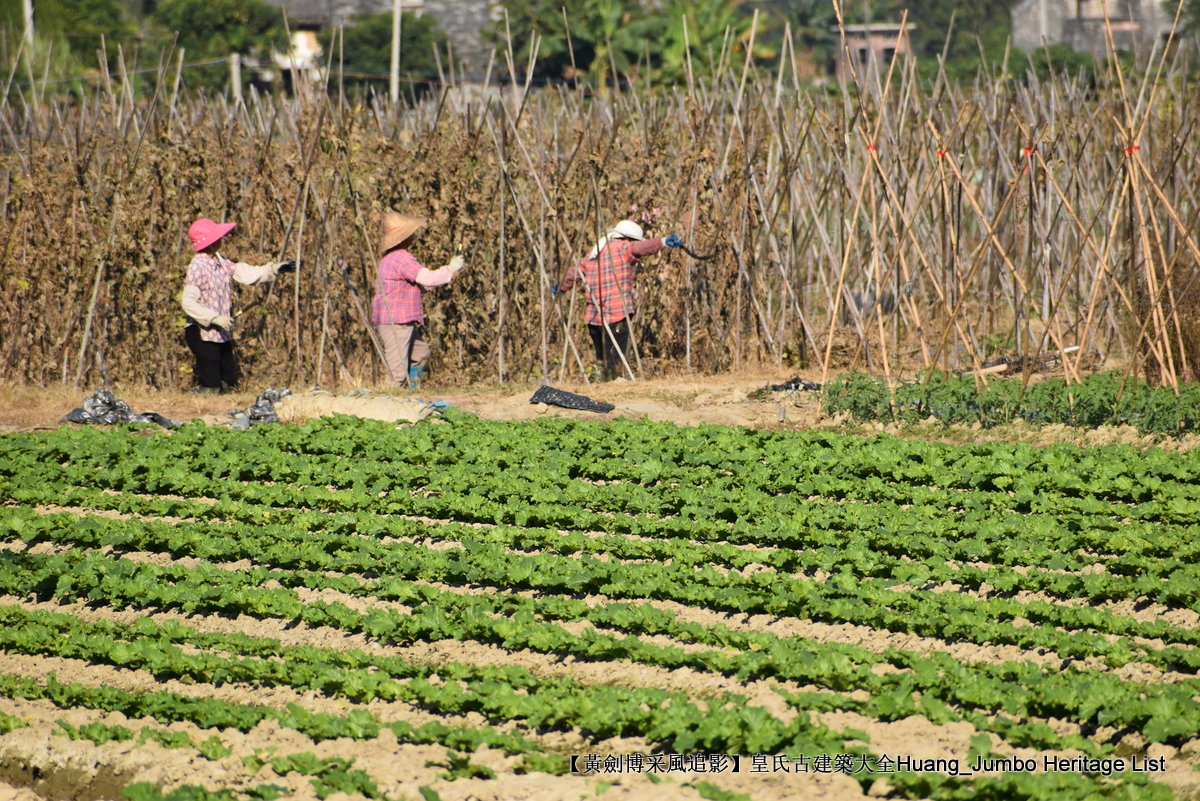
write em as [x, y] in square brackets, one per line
[398, 311]
[607, 275]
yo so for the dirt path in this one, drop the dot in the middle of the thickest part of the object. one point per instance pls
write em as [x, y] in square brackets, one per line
[684, 399]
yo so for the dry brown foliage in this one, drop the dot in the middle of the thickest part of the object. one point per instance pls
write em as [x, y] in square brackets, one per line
[1006, 212]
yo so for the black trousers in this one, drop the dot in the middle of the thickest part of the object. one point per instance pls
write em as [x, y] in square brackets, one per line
[605, 351]
[215, 361]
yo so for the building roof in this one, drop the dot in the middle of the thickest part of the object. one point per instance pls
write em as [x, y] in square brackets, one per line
[877, 27]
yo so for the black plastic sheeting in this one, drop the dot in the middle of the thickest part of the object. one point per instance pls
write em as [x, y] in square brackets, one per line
[104, 408]
[791, 385]
[569, 400]
[261, 411]
[795, 385]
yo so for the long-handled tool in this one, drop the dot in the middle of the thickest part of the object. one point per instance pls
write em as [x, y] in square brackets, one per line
[698, 257]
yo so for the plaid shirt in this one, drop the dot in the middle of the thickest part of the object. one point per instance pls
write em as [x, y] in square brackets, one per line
[608, 279]
[397, 294]
[212, 274]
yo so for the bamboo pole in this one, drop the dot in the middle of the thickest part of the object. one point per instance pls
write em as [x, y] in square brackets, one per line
[773, 160]
[101, 266]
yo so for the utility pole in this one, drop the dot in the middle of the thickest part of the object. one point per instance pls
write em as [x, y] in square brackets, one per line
[33, 90]
[29, 24]
[395, 84]
[235, 76]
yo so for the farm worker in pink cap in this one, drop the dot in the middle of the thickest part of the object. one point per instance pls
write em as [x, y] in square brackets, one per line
[607, 277]
[208, 303]
[398, 310]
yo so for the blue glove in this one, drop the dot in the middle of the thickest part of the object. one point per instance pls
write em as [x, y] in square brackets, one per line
[673, 241]
[554, 291]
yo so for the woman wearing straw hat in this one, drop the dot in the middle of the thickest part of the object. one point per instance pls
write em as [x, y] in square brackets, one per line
[398, 311]
[208, 303]
[607, 275]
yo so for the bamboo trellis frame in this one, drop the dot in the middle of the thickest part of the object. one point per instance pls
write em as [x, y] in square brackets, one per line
[1011, 215]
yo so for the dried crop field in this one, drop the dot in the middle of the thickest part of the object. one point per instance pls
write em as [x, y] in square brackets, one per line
[1012, 216]
[453, 611]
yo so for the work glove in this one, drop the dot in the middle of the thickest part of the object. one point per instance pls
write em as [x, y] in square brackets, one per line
[457, 264]
[673, 241]
[222, 321]
[554, 290]
[289, 266]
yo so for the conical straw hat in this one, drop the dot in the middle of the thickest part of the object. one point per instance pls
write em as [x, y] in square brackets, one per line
[398, 227]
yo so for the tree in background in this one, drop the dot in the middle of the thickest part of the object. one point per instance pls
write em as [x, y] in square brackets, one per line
[80, 24]
[813, 27]
[619, 39]
[980, 22]
[213, 29]
[709, 23]
[628, 37]
[1190, 20]
[68, 35]
[542, 20]
[137, 9]
[978, 36]
[604, 34]
[366, 47]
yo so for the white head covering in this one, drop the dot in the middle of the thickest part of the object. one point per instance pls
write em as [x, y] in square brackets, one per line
[625, 229]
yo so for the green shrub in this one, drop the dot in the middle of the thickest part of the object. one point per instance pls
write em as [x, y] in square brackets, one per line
[1098, 400]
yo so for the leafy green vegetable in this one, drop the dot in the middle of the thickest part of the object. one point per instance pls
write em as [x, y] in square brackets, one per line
[460, 766]
[562, 523]
[1100, 399]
